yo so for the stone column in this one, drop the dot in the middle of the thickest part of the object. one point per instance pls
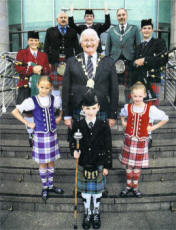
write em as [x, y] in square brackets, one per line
[173, 24]
[4, 29]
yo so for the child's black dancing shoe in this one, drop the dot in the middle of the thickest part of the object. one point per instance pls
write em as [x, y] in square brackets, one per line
[44, 194]
[96, 221]
[125, 192]
[137, 193]
[56, 190]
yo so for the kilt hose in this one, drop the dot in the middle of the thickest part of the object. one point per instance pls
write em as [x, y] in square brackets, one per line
[135, 152]
[91, 186]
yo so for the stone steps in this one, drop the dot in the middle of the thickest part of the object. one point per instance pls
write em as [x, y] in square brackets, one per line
[20, 185]
[23, 170]
[26, 196]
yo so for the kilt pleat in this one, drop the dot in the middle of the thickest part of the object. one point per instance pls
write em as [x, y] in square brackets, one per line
[45, 147]
[135, 152]
[91, 186]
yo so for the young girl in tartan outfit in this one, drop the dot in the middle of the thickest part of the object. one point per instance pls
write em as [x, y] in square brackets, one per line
[135, 151]
[95, 158]
[45, 142]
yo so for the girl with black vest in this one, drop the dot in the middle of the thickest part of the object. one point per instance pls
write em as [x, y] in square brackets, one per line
[45, 141]
[135, 151]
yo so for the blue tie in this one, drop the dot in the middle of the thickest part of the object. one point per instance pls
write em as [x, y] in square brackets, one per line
[89, 67]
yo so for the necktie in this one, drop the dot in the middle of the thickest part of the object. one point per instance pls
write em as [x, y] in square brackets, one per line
[90, 125]
[122, 29]
[34, 54]
[62, 30]
[89, 67]
[144, 44]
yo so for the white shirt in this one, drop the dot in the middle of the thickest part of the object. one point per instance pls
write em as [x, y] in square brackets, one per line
[120, 26]
[154, 112]
[147, 40]
[28, 103]
[93, 121]
[34, 52]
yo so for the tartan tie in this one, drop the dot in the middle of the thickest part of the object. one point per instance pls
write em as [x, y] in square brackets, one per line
[122, 29]
[144, 44]
[89, 67]
[34, 54]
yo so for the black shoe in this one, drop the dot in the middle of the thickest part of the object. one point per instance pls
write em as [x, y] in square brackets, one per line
[105, 193]
[44, 194]
[150, 142]
[137, 193]
[96, 221]
[86, 221]
[125, 192]
[56, 190]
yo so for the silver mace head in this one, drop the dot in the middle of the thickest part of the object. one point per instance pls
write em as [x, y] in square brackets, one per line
[78, 135]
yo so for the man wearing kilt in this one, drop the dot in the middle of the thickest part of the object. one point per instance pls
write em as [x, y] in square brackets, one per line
[60, 43]
[149, 60]
[150, 57]
[135, 151]
[120, 45]
[95, 158]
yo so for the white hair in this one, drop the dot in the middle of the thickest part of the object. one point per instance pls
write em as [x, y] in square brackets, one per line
[61, 12]
[89, 32]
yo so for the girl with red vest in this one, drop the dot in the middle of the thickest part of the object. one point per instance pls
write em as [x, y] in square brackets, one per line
[135, 151]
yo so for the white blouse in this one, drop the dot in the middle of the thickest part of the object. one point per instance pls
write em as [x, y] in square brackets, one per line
[154, 112]
[28, 104]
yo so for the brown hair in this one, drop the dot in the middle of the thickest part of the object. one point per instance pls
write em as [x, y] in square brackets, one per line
[45, 78]
[138, 85]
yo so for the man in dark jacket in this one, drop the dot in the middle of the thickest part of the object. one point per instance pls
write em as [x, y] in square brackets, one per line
[89, 18]
[90, 70]
[61, 42]
[149, 59]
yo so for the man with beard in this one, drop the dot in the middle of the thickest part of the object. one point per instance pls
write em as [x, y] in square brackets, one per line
[89, 23]
[61, 42]
[120, 45]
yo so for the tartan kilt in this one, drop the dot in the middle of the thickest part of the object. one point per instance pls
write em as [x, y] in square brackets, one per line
[91, 186]
[156, 90]
[55, 77]
[135, 152]
[45, 147]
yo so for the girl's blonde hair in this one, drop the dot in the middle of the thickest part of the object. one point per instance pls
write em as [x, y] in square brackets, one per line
[45, 78]
[138, 85]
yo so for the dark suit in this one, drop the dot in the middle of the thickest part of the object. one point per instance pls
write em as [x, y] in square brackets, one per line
[98, 27]
[74, 86]
[152, 62]
[96, 144]
[57, 43]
